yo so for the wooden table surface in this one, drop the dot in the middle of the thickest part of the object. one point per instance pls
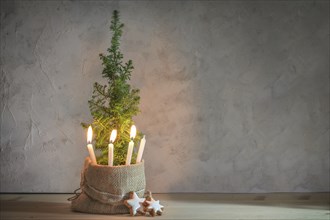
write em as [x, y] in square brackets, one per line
[180, 206]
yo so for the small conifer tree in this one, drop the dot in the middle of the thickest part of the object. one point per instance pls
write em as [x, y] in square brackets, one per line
[112, 106]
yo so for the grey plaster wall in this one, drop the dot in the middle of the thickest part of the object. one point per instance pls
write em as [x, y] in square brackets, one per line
[234, 94]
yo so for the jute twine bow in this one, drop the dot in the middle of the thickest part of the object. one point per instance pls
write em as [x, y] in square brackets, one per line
[77, 194]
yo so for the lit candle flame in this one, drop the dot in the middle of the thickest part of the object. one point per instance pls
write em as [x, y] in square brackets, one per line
[89, 135]
[133, 132]
[113, 135]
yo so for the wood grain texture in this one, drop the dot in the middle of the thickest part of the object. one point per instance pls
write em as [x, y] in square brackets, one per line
[180, 206]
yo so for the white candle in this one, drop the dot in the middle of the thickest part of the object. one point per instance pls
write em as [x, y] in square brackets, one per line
[141, 149]
[130, 145]
[90, 146]
[110, 147]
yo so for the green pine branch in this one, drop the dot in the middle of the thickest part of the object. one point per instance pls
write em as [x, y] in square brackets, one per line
[113, 106]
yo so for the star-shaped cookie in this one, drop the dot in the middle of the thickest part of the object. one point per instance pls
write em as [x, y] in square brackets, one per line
[134, 203]
[155, 207]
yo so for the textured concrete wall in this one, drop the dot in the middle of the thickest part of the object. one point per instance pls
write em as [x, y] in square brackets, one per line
[234, 95]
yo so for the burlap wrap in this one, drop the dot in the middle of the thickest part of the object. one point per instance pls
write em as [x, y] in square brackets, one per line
[105, 188]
